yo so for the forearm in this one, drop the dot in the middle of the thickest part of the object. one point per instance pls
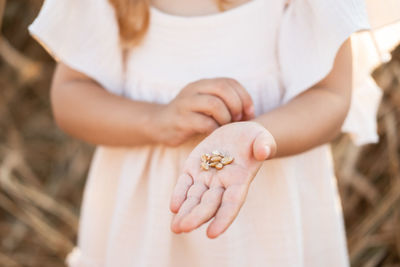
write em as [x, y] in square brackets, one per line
[90, 113]
[309, 120]
[314, 117]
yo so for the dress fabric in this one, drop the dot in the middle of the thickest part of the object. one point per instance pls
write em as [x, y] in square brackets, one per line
[292, 215]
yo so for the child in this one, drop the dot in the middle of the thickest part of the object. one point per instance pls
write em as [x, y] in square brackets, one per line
[157, 85]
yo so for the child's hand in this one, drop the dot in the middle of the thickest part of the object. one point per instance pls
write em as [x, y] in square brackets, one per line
[203, 106]
[200, 195]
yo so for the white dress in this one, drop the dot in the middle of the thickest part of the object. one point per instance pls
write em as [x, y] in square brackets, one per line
[292, 215]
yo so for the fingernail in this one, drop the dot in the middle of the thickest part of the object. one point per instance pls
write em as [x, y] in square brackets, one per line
[267, 151]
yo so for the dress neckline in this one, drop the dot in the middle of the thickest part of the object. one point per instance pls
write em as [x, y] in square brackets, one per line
[157, 13]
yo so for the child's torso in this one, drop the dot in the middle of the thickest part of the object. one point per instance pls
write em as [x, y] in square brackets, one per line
[239, 43]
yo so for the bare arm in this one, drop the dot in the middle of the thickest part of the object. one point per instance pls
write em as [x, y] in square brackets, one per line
[314, 117]
[85, 110]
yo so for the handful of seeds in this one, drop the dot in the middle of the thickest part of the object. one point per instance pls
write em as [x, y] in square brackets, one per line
[216, 160]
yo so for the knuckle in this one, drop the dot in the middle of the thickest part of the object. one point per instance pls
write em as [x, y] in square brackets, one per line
[191, 84]
[222, 83]
[190, 88]
[238, 83]
[232, 80]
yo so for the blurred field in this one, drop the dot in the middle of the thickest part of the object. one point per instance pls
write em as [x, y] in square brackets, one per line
[42, 171]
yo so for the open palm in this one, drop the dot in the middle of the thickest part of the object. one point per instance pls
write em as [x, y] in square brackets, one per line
[201, 195]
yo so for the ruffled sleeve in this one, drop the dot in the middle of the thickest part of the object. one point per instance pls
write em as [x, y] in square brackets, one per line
[83, 34]
[310, 36]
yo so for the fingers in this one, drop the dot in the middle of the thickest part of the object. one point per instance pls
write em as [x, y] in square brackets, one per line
[193, 198]
[232, 200]
[224, 90]
[264, 146]
[212, 106]
[179, 195]
[201, 213]
[247, 102]
[231, 93]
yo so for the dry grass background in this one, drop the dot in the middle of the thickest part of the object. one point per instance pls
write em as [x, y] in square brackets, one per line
[42, 171]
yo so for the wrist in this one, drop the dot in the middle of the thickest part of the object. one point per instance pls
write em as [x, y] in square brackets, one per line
[146, 121]
[157, 123]
[162, 127]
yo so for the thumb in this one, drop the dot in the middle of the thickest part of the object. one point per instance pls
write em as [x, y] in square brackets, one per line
[264, 146]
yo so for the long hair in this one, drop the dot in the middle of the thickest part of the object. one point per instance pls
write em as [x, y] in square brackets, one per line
[133, 17]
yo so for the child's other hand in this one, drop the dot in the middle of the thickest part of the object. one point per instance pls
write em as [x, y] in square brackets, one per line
[203, 106]
[201, 195]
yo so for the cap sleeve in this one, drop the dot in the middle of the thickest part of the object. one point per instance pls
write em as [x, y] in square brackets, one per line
[83, 34]
[311, 33]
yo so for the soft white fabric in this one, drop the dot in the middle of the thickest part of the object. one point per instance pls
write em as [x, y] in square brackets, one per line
[292, 215]
[366, 94]
[84, 35]
[310, 36]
